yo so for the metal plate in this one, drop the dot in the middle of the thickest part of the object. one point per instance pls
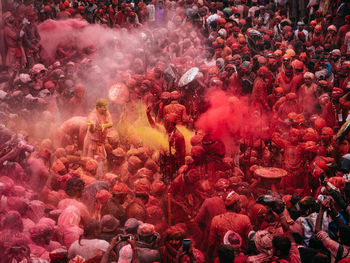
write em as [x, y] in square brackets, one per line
[118, 93]
[270, 172]
[188, 77]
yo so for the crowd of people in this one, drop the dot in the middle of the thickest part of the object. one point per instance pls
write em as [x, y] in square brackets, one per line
[220, 132]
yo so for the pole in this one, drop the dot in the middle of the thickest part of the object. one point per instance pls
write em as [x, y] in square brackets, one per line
[169, 209]
[2, 42]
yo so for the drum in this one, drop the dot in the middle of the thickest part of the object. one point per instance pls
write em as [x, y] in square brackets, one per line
[188, 77]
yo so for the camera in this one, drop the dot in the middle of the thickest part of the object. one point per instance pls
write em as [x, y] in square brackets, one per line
[321, 198]
[125, 237]
[186, 245]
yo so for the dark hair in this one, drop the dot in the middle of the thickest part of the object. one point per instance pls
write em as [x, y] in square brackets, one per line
[211, 51]
[60, 260]
[225, 253]
[213, 25]
[282, 244]
[142, 195]
[90, 228]
[347, 190]
[321, 258]
[74, 185]
[245, 57]
[232, 207]
[174, 232]
[344, 235]
[12, 220]
[297, 238]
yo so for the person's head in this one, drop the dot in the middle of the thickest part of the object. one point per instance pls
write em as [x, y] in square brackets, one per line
[146, 232]
[289, 70]
[234, 240]
[74, 187]
[160, 4]
[233, 202]
[12, 221]
[120, 192]
[158, 72]
[281, 246]
[118, 156]
[192, 176]
[308, 78]
[79, 90]
[221, 186]
[272, 64]
[307, 205]
[347, 18]
[209, 53]
[300, 26]
[312, 25]
[286, 60]
[31, 15]
[174, 236]
[8, 18]
[109, 224]
[41, 233]
[344, 146]
[102, 106]
[131, 225]
[225, 253]
[335, 55]
[237, 60]
[278, 20]
[132, 17]
[294, 135]
[92, 229]
[269, 216]
[278, 92]
[326, 134]
[263, 72]
[263, 241]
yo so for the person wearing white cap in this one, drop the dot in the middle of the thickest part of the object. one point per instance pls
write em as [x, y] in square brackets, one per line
[253, 9]
[300, 29]
[264, 16]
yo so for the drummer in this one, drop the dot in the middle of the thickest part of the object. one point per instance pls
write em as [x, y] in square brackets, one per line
[178, 109]
[191, 88]
[270, 176]
[293, 159]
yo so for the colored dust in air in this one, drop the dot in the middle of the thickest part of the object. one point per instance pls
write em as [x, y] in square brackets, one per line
[188, 134]
[135, 128]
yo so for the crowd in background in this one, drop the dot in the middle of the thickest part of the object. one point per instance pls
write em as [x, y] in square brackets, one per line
[75, 186]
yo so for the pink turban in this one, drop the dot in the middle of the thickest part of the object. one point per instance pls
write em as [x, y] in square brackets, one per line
[263, 242]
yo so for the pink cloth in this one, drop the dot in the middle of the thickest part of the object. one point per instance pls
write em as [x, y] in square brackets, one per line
[68, 225]
[83, 210]
[88, 248]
